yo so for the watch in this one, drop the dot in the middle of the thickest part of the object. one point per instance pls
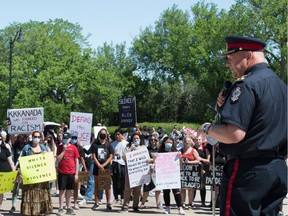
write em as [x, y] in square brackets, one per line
[206, 128]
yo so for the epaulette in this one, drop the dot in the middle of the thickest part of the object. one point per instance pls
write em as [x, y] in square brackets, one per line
[241, 78]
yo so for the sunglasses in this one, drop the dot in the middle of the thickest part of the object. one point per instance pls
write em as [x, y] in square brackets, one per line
[36, 136]
[153, 139]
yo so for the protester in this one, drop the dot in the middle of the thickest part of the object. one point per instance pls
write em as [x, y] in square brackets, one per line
[18, 142]
[136, 142]
[168, 145]
[90, 182]
[102, 154]
[36, 198]
[82, 166]
[6, 162]
[153, 148]
[118, 166]
[189, 156]
[252, 131]
[204, 157]
[68, 166]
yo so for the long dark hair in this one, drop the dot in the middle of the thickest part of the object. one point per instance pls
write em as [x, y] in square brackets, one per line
[107, 140]
[162, 146]
[140, 136]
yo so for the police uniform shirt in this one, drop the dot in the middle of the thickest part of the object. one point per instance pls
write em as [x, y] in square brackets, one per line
[256, 103]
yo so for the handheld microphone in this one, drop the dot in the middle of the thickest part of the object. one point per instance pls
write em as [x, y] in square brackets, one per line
[227, 86]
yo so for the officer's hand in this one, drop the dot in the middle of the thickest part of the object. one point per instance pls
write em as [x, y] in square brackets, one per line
[220, 99]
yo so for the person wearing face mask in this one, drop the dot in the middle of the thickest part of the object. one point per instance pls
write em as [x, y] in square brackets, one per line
[136, 142]
[36, 195]
[82, 166]
[102, 154]
[68, 166]
[168, 145]
[6, 162]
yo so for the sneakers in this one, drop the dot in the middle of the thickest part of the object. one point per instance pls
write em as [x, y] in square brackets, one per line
[70, 211]
[108, 207]
[100, 202]
[56, 194]
[95, 206]
[167, 210]
[60, 212]
[181, 211]
[136, 209]
[160, 205]
[12, 210]
[80, 196]
[82, 203]
[123, 210]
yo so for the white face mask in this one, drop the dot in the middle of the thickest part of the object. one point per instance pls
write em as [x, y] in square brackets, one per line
[36, 140]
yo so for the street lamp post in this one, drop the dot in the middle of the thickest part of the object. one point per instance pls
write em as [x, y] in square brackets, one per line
[18, 37]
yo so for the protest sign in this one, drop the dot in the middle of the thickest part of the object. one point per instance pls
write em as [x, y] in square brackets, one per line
[208, 174]
[80, 124]
[7, 181]
[104, 179]
[191, 176]
[138, 168]
[83, 176]
[127, 112]
[167, 168]
[97, 130]
[25, 120]
[38, 168]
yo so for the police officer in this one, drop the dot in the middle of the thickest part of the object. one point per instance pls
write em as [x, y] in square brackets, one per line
[252, 132]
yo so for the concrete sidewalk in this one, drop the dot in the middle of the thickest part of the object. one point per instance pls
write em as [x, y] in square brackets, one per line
[150, 209]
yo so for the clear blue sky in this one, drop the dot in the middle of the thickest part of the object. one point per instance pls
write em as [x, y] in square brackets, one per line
[107, 21]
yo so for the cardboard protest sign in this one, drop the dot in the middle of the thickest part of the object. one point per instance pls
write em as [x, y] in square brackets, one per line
[25, 120]
[7, 181]
[81, 124]
[38, 168]
[138, 168]
[83, 176]
[191, 176]
[167, 167]
[208, 174]
[104, 179]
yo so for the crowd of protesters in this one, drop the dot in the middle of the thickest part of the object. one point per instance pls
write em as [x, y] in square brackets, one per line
[106, 154]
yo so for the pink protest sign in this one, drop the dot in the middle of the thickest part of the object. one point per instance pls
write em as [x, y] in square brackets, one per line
[167, 171]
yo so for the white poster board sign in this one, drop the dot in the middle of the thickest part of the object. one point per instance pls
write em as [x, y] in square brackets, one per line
[138, 168]
[167, 168]
[97, 129]
[80, 124]
[25, 121]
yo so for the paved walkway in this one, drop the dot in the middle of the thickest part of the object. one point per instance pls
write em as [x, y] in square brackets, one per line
[150, 209]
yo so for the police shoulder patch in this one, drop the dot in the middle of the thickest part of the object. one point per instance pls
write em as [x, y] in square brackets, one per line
[235, 94]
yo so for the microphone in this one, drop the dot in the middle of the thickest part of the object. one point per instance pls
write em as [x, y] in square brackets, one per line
[226, 88]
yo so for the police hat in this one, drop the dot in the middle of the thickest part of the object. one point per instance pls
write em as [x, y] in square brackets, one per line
[243, 43]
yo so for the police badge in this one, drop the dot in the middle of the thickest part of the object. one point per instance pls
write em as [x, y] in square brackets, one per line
[235, 95]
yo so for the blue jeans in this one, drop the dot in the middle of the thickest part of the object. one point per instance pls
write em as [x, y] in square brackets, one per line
[90, 183]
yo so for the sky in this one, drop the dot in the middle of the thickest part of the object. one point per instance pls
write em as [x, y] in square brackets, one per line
[111, 21]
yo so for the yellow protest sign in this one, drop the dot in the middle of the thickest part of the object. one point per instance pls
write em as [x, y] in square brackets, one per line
[38, 168]
[7, 181]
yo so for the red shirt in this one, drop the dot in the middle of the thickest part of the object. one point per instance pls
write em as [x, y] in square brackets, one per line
[189, 156]
[67, 165]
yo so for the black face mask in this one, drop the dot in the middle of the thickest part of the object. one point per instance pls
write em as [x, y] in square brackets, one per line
[102, 136]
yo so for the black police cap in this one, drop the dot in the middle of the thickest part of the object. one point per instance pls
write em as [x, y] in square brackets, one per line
[243, 43]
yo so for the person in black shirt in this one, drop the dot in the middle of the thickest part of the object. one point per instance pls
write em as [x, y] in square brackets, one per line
[252, 132]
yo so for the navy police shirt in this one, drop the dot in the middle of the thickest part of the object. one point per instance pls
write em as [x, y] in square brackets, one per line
[257, 103]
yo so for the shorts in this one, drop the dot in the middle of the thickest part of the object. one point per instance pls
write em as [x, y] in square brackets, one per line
[66, 181]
